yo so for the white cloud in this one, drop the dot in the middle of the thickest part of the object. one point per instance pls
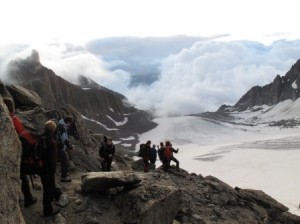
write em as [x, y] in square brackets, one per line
[196, 79]
[213, 73]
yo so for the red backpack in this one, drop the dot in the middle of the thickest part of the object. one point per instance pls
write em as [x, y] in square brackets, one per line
[168, 152]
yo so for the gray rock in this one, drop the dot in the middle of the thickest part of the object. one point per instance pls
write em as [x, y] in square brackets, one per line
[101, 181]
[10, 152]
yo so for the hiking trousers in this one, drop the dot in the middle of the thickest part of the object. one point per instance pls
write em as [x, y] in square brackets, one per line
[64, 162]
[176, 161]
[146, 164]
[48, 181]
[25, 188]
[106, 164]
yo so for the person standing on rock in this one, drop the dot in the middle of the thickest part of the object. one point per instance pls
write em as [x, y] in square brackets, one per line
[145, 154]
[106, 153]
[64, 145]
[169, 155]
[153, 156]
[48, 171]
[26, 138]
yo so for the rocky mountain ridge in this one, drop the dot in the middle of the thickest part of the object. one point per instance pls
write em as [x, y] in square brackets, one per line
[259, 100]
[104, 110]
[282, 88]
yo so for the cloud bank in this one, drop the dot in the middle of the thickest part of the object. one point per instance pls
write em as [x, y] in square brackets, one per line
[195, 77]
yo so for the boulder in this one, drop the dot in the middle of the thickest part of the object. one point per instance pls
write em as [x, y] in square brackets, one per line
[24, 97]
[101, 181]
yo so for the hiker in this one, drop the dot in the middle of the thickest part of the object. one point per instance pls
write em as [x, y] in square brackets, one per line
[153, 156]
[145, 153]
[106, 152]
[26, 139]
[63, 144]
[160, 151]
[50, 192]
[171, 157]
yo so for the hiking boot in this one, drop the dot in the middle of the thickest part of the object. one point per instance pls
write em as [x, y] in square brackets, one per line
[65, 179]
[53, 213]
[31, 202]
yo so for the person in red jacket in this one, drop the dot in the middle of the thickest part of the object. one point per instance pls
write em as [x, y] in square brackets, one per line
[23, 134]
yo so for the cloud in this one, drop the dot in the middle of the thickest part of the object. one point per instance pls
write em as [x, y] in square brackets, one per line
[190, 79]
[211, 73]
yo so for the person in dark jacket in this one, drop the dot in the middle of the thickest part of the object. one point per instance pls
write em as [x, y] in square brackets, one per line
[48, 171]
[146, 155]
[153, 156]
[106, 153]
[26, 138]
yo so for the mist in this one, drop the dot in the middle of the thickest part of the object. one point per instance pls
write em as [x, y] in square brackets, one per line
[198, 76]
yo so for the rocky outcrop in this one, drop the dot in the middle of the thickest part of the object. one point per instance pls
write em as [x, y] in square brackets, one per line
[10, 151]
[282, 88]
[95, 102]
[24, 97]
[176, 197]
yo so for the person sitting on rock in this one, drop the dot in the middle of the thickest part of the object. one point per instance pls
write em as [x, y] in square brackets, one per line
[106, 153]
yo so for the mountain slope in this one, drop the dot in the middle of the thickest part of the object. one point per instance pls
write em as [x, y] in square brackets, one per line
[96, 103]
[282, 88]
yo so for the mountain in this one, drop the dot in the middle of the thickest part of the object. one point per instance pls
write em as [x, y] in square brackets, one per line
[259, 100]
[282, 88]
[104, 110]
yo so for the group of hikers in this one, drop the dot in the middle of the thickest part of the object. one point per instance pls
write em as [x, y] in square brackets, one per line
[165, 153]
[55, 144]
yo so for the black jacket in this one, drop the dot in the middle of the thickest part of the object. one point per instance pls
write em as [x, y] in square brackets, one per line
[106, 151]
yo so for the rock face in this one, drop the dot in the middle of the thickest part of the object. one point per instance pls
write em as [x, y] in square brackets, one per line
[93, 101]
[10, 151]
[282, 88]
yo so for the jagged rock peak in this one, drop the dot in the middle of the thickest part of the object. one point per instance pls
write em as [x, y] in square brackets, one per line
[282, 88]
[34, 57]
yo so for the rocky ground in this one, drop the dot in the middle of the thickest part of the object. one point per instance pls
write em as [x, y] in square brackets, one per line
[158, 197]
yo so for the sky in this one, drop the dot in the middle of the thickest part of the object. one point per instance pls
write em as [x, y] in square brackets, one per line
[251, 157]
[167, 57]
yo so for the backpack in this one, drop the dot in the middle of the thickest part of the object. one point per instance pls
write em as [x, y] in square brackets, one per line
[142, 150]
[33, 155]
[167, 153]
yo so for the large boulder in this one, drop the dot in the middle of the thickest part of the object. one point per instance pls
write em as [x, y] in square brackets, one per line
[101, 181]
[24, 97]
[10, 152]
